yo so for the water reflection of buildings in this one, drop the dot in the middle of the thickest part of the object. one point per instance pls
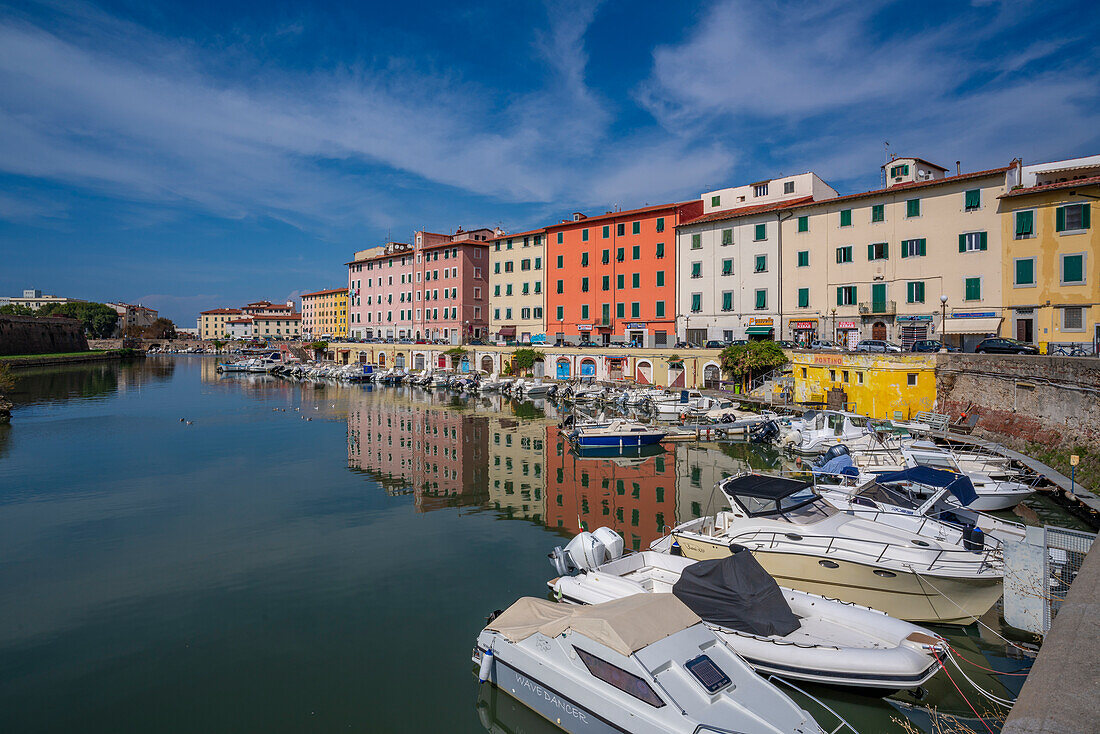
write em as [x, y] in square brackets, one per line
[517, 458]
[439, 455]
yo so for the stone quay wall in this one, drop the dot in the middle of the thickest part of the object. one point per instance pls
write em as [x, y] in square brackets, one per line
[31, 335]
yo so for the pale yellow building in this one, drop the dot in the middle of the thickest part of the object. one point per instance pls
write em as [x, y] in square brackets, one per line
[517, 287]
[1051, 274]
[277, 326]
[894, 386]
[875, 265]
[325, 314]
[214, 324]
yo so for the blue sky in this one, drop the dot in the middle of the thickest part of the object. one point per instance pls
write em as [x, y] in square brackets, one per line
[190, 156]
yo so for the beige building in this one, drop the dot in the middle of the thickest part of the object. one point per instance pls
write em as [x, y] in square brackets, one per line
[325, 314]
[214, 324]
[517, 287]
[277, 326]
[876, 265]
[132, 316]
[33, 299]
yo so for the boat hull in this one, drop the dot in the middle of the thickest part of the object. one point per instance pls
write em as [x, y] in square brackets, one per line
[926, 599]
[626, 441]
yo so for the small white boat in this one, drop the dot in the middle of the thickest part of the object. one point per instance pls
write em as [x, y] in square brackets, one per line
[619, 433]
[788, 633]
[670, 407]
[816, 430]
[644, 664]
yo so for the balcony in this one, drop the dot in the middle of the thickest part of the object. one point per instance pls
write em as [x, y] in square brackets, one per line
[877, 308]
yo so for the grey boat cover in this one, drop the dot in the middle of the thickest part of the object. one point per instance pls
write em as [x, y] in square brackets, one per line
[737, 593]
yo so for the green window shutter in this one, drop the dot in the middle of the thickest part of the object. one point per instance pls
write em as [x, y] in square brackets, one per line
[905, 248]
[803, 258]
[761, 263]
[1072, 269]
[620, 310]
[635, 309]
[660, 278]
[878, 293]
[1025, 223]
[584, 235]
[878, 212]
[761, 299]
[606, 231]
[840, 296]
[727, 301]
[886, 250]
[607, 282]
[973, 198]
[1085, 215]
[584, 259]
[606, 258]
[561, 261]
[660, 249]
[983, 243]
[560, 237]
[909, 292]
[696, 302]
[716, 201]
[962, 243]
[761, 231]
[920, 292]
[803, 297]
[636, 252]
[870, 252]
[696, 269]
[727, 236]
[973, 289]
[696, 241]
[561, 313]
[804, 224]
[636, 280]
[660, 224]
[620, 281]
[845, 217]
[660, 309]
[584, 312]
[920, 247]
[1060, 219]
[636, 228]
[607, 312]
[1025, 272]
[727, 267]
[912, 208]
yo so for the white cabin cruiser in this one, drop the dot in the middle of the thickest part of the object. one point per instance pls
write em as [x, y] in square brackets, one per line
[644, 664]
[816, 430]
[788, 633]
[809, 545]
[670, 407]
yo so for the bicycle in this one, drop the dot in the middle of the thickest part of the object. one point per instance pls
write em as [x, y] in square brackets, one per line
[1071, 350]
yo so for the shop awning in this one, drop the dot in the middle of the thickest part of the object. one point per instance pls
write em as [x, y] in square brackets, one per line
[983, 325]
[507, 331]
[759, 330]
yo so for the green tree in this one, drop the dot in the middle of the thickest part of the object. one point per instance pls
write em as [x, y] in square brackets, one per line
[744, 361]
[99, 319]
[14, 309]
[162, 328]
[317, 346]
[523, 360]
[219, 345]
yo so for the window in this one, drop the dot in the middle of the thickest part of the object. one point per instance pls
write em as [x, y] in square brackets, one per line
[912, 208]
[1073, 269]
[584, 259]
[761, 232]
[660, 278]
[561, 261]
[911, 379]
[696, 241]
[972, 242]
[846, 295]
[496, 290]
[584, 285]
[538, 310]
[973, 199]
[973, 289]
[561, 313]
[804, 224]
[696, 302]
[914, 292]
[509, 266]
[496, 267]
[584, 312]
[761, 299]
[1072, 218]
[761, 264]
[538, 286]
[561, 286]
[878, 213]
[727, 236]
[560, 239]
[1025, 271]
[844, 254]
[1073, 319]
[635, 310]
[727, 266]
[636, 280]
[660, 224]
[760, 190]
[635, 227]
[727, 300]
[619, 678]
[878, 251]
[716, 201]
[606, 283]
[620, 229]
[660, 309]
[660, 250]
[788, 187]
[803, 297]
[620, 310]
[525, 313]
[803, 258]
[606, 231]
[507, 314]
[697, 270]
[620, 281]
[913, 248]
[584, 235]
[636, 252]
[620, 254]
[898, 171]
[538, 262]
[846, 218]
[1025, 224]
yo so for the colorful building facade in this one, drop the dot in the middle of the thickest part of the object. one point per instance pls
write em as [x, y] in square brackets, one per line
[214, 324]
[452, 286]
[325, 314]
[517, 283]
[891, 386]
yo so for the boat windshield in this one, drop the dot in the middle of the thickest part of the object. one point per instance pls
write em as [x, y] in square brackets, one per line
[788, 505]
[883, 495]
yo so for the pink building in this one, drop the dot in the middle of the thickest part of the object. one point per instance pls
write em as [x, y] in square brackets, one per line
[436, 288]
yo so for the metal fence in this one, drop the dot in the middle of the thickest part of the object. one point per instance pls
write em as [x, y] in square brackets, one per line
[1065, 552]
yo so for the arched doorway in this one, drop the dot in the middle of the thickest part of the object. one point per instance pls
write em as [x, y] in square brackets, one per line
[588, 367]
[465, 363]
[381, 359]
[878, 331]
[487, 364]
[399, 361]
[563, 368]
[418, 361]
[712, 376]
[676, 375]
[644, 374]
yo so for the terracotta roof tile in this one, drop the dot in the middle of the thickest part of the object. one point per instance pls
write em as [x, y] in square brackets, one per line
[221, 311]
[625, 213]
[911, 185]
[1090, 181]
[325, 292]
[745, 211]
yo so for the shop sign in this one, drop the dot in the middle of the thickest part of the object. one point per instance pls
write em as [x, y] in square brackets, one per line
[972, 315]
[760, 321]
[833, 359]
[915, 318]
[1024, 311]
[803, 325]
[584, 327]
[635, 326]
[847, 325]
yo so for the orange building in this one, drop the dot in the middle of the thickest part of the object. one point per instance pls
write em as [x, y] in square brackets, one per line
[613, 277]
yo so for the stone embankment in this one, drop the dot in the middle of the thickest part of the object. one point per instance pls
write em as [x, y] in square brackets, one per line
[47, 360]
[31, 335]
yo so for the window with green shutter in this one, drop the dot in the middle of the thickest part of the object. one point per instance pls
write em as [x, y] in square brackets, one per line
[727, 236]
[561, 313]
[660, 309]
[878, 213]
[607, 313]
[636, 228]
[844, 254]
[660, 224]
[660, 278]
[561, 261]
[607, 282]
[727, 267]
[606, 257]
[620, 281]
[913, 248]
[560, 237]
[584, 285]
[606, 231]
[973, 199]
[1025, 224]
[716, 201]
[1073, 269]
[1072, 218]
[1025, 271]
[561, 286]
[727, 300]
[878, 297]
[973, 289]
[660, 250]
[496, 290]
[584, 259]
[804, 224]
[620, 310]
[915, 291]
[697, 270]
[803, 258]
[912, 208]
[635, 310]
[696, 302]
[584, 235]
[696, 241]
[620, 254]
[803, 297]
[845, 217]
[636, 280]
[761, 264]
[761, 232]
[761, 300]
[878, 251]
[584, 312]
[636, 252]
[973, 242]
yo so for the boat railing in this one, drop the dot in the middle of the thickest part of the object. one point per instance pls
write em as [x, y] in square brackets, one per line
[867, 513]
[842, 722]
[878, 550]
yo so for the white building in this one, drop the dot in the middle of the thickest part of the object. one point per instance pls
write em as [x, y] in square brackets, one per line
[729, 272]
[241, 328]
[33, 299]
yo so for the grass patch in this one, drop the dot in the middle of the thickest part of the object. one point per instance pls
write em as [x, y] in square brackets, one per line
[57, 354]
[1087, 471]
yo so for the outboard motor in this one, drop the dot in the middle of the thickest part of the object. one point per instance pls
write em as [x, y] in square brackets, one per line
[973, 538]
[764, 432]
[587, 551]
[833, 452]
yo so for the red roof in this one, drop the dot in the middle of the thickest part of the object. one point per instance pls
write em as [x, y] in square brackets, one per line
[239, 321]
[910, 186]
[274, 316]
[1090, 181]
[325, 293]
[615, 215]
[746, 211]
[528, 233]
[221, 310]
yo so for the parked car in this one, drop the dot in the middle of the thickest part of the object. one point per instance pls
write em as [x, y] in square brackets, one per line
[1000, 345]
[476, 343]
[784, 344]
[930, 345]
[877, 345]
[715, 344]
[683, 345]
[825, 344]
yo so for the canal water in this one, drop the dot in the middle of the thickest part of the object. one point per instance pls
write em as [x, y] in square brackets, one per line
[182, 551]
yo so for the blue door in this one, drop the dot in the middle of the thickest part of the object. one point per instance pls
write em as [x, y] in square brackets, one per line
[588, 368]
[465, 364]
[563, 369]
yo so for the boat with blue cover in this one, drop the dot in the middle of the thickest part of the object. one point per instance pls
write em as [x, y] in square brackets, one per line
[618, 433]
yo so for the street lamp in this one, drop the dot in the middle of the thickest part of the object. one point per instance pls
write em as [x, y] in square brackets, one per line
[943, 323]
[835, 338]
[466, 333]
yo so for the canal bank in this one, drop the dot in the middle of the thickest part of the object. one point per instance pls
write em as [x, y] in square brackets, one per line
[26, 361]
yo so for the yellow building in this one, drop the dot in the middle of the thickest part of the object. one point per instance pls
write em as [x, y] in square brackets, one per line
[896, 386]
[517, 283]
[214, 324]
[325, 314]
[1051, 272]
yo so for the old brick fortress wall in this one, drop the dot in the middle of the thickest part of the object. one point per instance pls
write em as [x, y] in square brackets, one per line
[30, 335]
[1054, 401]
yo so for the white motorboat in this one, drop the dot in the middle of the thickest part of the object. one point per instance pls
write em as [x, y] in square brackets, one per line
[809, 545]
[816, 430]
[619, 433]
[644, 664]
[783, 632]
[671, 406]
